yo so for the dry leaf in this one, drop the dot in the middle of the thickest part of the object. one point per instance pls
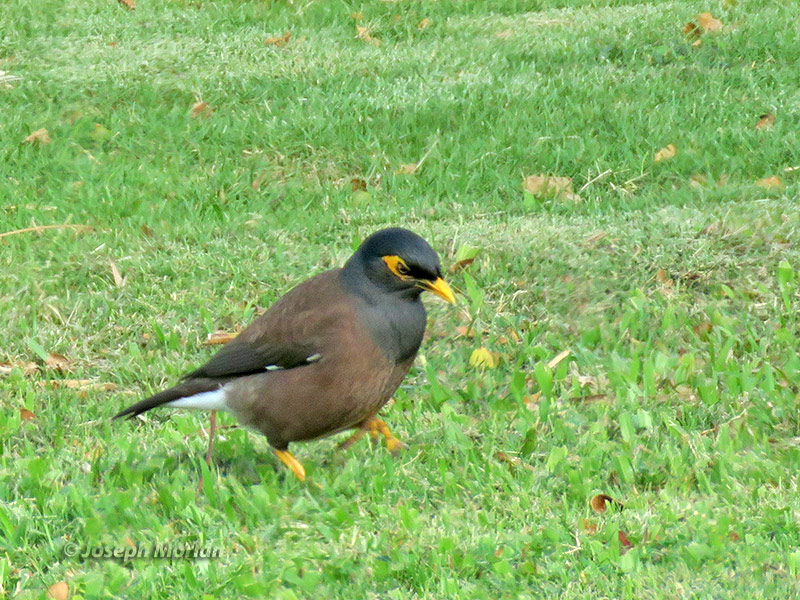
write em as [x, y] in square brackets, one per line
[663, 277]
[79, 384]
[26, 415]
[407, 169]
[130, 4]
[708, 22]
[57, 362]
[362, 33]
[465, 331]
[27, 368]
[770, 183]
[60, 590]
[561, 356]
[280, 40]
[147, 231]
[596, 237]
[358, 184]
[40, 137]
[589, 527]
[461, 264]
[201, 109]
[115, 273]
[623, 539]
[532, 401]
[509, 460]
[698, 181]
[357, 16]
[544, 186]
[599, 502]
[483, 357]
[702, 329]
[424, 23]
[702, 23]
[219, 337]
[667, 152]
[766, 121]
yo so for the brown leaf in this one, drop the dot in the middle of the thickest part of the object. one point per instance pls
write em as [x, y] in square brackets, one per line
[698, 181]
[623, 539]
[357, 16]
[589, 527]
[461, 264]
[465, 331]
[363, 33]
[219, 337]
[79, 384]
[60, 590]
[596, 237]
[280, 40]
[766, 121]
[57, 362]
[39, 137]
[147, 231]
[545, 186]
[663, 278]
[770, 183]
[558, 358]
[532, 401]
[358, 184]
[118, 281]
[708, 23]
[424, 23]
[26, 415]
[201, 109]
[509, 460]
[27, 368]
[702, 329]
[599, 502]
[407, 169]
[667, 152]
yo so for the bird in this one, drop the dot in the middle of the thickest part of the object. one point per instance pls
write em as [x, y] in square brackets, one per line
[325, 357]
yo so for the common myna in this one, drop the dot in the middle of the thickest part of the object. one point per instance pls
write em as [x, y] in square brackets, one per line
[328, 355]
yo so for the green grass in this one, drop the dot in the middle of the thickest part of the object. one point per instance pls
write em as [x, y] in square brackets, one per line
[679, 302]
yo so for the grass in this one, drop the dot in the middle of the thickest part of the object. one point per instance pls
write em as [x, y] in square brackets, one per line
[678, 299]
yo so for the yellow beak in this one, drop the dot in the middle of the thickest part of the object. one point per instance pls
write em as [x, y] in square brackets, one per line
[441, 289]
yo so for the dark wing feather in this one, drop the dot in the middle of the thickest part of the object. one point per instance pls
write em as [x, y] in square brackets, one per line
[240, 358]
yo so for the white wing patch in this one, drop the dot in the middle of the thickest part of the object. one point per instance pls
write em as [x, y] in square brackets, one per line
[313, 358]
[273, 368]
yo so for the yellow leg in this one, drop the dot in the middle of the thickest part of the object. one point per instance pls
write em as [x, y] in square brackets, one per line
[290, 461]
[375, 427]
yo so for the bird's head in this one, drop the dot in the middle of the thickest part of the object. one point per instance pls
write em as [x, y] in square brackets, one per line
[399, 261]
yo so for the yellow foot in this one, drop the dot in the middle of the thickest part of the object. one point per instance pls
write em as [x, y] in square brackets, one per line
[290, 461]
[375, 428]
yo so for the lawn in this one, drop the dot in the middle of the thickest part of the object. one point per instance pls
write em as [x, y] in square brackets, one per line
[207, 167]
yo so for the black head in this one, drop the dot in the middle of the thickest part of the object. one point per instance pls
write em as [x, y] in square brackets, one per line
[399, 261]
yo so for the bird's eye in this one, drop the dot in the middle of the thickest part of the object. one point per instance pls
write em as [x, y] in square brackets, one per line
[403, 269]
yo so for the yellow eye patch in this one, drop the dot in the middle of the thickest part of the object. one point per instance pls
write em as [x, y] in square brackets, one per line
[397, 266]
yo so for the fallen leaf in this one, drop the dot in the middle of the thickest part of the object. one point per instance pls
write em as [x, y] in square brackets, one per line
[147, 231]
[702, 329]
[702, 23]
[465, 331]
[27, 368]
[60, 590]
[357, 16]
[219, 337]
[40, 137]
[424, 23]
[596, 237]
[79, 384]
[26, 415]
[708, 22]
[589, 527]
[280, 40]
[561, 356]
[532, 401]
[460, 264]
[118, 281]
[766, 121]
[698, 181]
[57, 362]
[623, 539]
[667, 152]
[770, 183]
[599, 502]
[545, 186]
[358, 184]
[407, 169]
[130, 4]
[734, 537]
[483, 357]
[663, 278]
[363, 33]
[465, 256]
[201, 109]
[509, 460]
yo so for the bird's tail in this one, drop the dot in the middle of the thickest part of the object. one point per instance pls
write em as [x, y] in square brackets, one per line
[194, 393]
